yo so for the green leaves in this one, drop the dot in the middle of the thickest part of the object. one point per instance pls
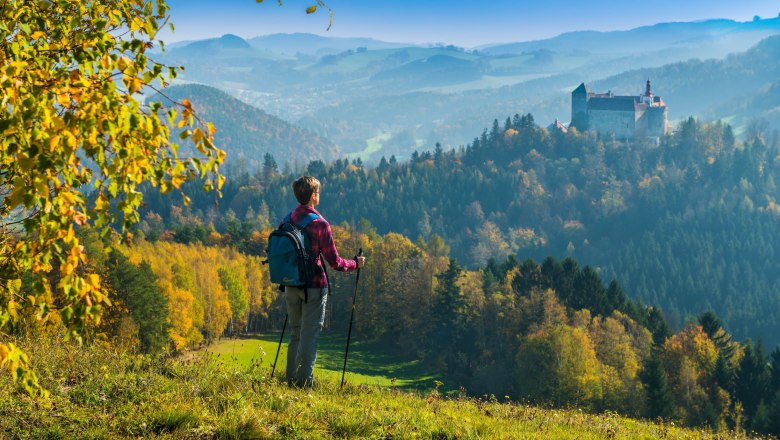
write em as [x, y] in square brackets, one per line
[61, 111]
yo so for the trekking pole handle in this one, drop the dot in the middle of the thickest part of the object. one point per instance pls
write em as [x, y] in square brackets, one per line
[357, 276]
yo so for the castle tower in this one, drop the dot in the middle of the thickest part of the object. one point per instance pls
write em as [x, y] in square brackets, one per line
[647, 98]
[579, 107]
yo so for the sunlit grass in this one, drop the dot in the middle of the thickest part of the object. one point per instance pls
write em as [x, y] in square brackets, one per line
[103, 394]
[368, 363]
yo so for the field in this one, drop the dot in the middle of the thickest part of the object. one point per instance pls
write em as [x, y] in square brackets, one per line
[373, 145]
[99, 393]
[368, 363]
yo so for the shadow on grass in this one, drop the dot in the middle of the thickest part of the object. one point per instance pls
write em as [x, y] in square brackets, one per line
[367, 358]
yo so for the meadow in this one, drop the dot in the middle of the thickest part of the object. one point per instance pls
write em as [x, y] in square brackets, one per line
[100, 393]
[369, 363]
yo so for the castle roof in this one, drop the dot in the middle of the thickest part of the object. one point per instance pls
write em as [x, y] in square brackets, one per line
[557, 125]
[582, 89]
[616, 103]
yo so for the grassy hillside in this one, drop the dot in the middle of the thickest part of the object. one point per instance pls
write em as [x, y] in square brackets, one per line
[101, 394]
[368, 364]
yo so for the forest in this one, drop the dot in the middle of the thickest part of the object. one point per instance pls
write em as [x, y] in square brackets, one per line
[532, 265]
[660, 219]
[688, 223]
[548, 333]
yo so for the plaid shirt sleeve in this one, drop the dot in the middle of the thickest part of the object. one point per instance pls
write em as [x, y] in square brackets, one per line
[324, 237]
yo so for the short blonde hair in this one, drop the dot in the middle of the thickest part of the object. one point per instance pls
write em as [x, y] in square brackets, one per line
[304, 187]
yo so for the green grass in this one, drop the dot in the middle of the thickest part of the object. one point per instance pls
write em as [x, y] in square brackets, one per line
[98, 393]
[373, 145]
[368, 363]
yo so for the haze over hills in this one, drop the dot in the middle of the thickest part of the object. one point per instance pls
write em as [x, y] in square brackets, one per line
[247, 133]
[710, 35]
[738, 88]
[310, 44]
[373, 98]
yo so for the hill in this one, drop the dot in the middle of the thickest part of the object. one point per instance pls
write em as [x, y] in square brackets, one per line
[247, 133]
[310, 44]
[421, 73]
[370, 362]
[688, 225]
[706, 36]
[738, 86]
[357, 91]
[99, 393]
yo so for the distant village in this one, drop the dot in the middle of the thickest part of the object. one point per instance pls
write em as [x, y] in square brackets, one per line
[632, 116]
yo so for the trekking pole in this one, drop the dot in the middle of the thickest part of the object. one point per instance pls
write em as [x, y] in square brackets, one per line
[284, 326]
[351, 316]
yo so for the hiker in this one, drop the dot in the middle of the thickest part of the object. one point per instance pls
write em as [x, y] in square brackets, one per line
[306, 307]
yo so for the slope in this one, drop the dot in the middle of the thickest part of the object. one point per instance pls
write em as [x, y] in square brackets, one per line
[708, 88]
[98, 393]
[247, 133]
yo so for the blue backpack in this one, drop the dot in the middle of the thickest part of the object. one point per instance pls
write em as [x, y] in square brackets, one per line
[289, 262]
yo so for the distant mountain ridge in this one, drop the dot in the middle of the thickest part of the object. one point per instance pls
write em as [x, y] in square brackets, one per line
[375, 98]
[311, 44]
[711, 88]
[248, 133]
[645, 38]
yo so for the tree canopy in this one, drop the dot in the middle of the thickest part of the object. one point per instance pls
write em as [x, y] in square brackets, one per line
[77, 141]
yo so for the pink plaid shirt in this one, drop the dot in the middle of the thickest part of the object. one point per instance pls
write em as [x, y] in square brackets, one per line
[321, 241]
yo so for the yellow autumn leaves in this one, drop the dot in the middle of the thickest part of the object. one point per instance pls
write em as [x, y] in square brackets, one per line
[76, 140]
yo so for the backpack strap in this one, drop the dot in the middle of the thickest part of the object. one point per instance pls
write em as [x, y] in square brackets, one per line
[310, 217]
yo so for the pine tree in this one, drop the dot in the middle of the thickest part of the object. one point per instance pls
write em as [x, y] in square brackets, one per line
[657, 326]
[710, 323]
[774, 383]
[616, 298]
[660, 402]
[270, 168]
[148, 306]
[449, 305]
[752, 381]
[438, 153]
[774, 391]
[724, 374]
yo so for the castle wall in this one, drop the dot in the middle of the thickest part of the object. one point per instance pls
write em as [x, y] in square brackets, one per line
[621, 123]
[623, 116]
[579, 111]
[656, 121]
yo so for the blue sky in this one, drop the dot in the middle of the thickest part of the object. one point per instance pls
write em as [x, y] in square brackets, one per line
[464, 23]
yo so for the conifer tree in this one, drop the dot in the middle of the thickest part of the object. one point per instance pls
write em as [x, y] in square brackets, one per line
[660, 402]
[137, 288]
[449, 306]
[752, 381]
[774, 393]
[657, 326]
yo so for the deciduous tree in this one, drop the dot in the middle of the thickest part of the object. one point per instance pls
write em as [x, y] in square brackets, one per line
[71, 74]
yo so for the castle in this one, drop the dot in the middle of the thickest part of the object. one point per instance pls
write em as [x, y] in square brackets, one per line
[644, 115]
